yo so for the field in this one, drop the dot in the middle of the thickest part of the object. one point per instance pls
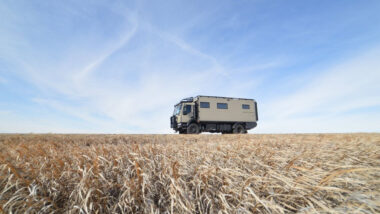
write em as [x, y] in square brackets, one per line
[308, 173]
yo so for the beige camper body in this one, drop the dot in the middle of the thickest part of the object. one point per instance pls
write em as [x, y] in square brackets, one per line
[214, 114]
[233, 113]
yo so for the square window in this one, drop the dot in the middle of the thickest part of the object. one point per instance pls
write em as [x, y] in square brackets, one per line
[222, 105]
[204, 105]
[245, 106]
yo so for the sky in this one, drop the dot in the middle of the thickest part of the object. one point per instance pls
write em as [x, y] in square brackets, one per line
[120, 66]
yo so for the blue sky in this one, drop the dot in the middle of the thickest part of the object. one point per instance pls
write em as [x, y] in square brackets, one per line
[120, 66]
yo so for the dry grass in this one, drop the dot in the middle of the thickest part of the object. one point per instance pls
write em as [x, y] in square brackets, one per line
[190, 174]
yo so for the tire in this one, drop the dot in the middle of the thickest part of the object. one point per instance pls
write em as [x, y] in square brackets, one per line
[193, 129]
[182, 132]
[239, 129]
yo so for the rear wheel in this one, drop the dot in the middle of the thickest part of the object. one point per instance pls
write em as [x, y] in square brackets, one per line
[193, 129]
[239, 129]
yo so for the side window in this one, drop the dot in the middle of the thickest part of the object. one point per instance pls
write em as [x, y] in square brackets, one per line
[186, 109]
[222, 105]
[245, 106]
[204, 105]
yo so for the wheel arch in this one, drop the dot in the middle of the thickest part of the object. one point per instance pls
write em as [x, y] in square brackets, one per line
[192, 121]
[238, 123]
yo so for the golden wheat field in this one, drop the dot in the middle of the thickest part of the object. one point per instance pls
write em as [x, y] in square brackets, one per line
[304, 173]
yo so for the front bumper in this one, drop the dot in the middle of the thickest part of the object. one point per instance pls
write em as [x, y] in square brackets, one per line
[175, 125]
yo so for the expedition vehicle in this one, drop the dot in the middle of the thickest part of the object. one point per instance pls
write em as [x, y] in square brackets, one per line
[214, 114]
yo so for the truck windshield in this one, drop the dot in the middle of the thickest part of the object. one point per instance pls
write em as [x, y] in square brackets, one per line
[177, 109]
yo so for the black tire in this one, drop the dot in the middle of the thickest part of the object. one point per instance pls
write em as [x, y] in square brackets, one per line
[193, 129]
[182, 131]
[239, 129]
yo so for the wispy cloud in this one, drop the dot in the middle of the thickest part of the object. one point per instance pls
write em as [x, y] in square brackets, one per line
[111, 50]
[330, 99]
[150, 99]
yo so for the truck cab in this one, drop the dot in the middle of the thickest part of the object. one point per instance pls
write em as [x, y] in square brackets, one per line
[194, 115]
[184, 113]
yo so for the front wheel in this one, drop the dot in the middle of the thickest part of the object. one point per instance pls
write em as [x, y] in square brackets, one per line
[193, 129]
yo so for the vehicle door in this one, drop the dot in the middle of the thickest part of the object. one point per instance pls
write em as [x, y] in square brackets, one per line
[187, 112]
